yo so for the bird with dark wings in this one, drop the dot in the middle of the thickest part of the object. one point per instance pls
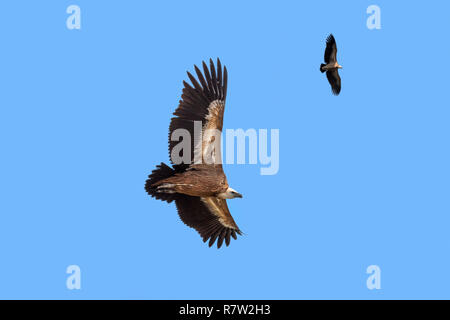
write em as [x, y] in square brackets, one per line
[199, 188]
[331, 66]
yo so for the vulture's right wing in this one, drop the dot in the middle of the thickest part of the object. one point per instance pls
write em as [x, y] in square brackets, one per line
[209, 216]
[201, 108]
[330, 50]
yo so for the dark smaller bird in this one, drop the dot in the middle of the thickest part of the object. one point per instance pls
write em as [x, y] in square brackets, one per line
[331, 65]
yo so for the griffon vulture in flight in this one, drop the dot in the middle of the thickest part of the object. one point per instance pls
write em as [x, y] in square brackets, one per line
[331, 65]
[199, 188]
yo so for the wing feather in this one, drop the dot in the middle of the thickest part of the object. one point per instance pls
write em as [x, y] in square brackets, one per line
[214, 78]
[209, 80]
[219, 81]
[225, 81]
[221, 238]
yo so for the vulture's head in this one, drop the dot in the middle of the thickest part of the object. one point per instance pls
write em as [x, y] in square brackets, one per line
[230, 193]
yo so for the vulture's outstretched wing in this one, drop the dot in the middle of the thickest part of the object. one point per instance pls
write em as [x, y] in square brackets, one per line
[209, 216]
[201, 105]
[335, 81]
[330, 50]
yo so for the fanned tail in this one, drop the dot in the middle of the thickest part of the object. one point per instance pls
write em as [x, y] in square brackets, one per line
[161, 172]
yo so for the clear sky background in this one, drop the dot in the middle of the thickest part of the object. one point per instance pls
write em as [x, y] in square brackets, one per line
[364, 177]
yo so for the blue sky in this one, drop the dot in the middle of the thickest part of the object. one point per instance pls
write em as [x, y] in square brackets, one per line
[363, 180]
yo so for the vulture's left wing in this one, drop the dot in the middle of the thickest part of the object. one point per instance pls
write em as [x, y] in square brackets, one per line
[209, 216]
[335, 81]
[200, 112]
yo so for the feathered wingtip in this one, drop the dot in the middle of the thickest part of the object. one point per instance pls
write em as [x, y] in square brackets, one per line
[330, 38]
[211, 84]
[221, 236]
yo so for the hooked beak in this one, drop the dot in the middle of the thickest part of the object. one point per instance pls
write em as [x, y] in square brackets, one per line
[238, 195]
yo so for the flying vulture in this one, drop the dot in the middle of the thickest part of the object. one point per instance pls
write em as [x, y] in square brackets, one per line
[199, 188]
[331, 65]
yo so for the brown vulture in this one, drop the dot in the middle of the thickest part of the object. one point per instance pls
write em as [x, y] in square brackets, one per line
[197, 183]
[331, 65]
